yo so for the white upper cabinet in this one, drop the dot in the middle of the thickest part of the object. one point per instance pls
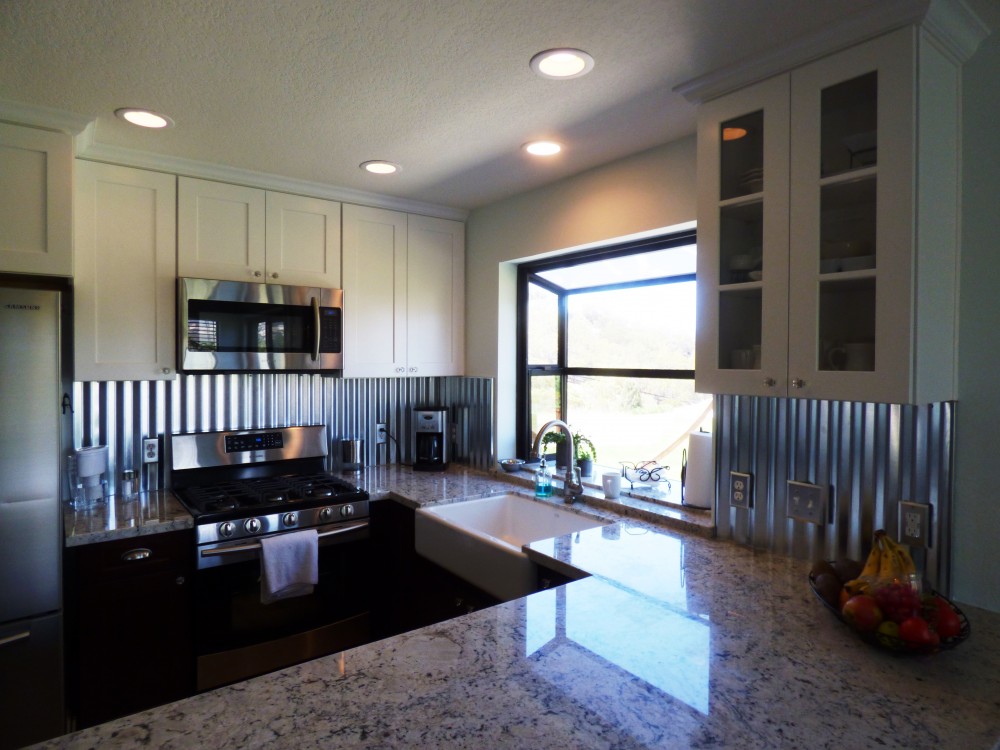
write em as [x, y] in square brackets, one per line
[36, 201]
[404, 282]
[828, 196]
[124, 291]
[238, 233]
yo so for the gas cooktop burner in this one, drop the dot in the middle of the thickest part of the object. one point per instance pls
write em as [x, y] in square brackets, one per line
[255, 496]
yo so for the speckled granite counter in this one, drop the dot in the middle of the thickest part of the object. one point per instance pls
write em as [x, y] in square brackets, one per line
[150, 513]
[676, 641]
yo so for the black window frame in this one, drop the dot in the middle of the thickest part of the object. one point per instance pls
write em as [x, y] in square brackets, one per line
[528, 273]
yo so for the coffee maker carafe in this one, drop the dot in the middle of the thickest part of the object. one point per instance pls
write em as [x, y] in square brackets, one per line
[430, 439]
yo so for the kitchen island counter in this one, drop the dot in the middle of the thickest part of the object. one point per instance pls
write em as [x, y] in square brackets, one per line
[675, 641]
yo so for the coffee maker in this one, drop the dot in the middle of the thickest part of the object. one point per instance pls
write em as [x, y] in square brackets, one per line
[430, 439]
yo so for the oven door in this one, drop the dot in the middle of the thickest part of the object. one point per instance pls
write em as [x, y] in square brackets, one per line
[240, 326]
[236, 636]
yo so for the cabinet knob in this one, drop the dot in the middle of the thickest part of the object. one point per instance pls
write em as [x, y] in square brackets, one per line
[400, 370]
[257, 274]
[166, 370]
[274, 275]
[769, 382]
[798, 383]
[413, 369]
[179, 580]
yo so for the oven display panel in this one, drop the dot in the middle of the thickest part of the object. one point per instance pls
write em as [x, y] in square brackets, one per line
[258, 442]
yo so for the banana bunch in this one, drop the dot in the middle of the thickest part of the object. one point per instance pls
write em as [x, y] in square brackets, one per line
[888, 561]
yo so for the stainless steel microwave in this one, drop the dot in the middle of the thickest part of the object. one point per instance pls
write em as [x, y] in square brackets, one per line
[240, 326]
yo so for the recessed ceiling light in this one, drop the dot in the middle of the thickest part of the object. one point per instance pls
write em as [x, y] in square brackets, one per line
[144, 118]
[542, 148]
[379, 166]
[562, 63]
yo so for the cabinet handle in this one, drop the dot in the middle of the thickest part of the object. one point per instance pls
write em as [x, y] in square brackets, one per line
[15, 638]
[316, 330]
[769, 382]
[179, 580]
[134, 555]
[798, 383]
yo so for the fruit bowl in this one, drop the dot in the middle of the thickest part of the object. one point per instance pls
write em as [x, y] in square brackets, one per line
[894, 643]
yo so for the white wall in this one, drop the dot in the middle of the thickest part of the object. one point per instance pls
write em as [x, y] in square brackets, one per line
[640, 193]
[976, 520]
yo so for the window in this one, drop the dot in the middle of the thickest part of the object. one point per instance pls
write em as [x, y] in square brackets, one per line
[606, 344]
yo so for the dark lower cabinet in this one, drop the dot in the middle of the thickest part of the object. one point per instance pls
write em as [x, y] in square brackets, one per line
[129, 625]
[412, 591]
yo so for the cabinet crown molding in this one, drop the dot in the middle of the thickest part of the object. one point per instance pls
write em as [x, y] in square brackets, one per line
[954, 25]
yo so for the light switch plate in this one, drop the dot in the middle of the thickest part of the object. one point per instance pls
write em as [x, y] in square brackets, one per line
[807, 502]
[914, 524]
[740, 489]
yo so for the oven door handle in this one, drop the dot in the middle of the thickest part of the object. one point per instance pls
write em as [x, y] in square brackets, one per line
[256, 545]
[316, 331]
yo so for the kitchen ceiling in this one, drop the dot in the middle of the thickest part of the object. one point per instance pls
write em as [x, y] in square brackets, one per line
[309, 89]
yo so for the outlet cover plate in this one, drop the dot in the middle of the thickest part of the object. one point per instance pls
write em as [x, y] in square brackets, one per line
[914, 524]
[381, 433]
[807, 502]
[740, 489]
[150, 450]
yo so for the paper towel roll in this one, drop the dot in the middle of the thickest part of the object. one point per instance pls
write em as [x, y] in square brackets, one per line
[699, 484]
[92, 461]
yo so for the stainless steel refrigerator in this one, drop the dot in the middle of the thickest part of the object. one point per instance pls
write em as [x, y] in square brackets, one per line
[31, 666]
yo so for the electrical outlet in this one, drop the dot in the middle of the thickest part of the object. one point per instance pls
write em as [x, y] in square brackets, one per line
[739, 489]
[807, 502]
[381, 433]
[914, 524]
[150, 450]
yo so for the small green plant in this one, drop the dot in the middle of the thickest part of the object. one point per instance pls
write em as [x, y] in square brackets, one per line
[583, 448]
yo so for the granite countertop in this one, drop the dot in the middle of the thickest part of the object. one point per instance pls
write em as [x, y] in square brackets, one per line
[676, 640]
[116, 518]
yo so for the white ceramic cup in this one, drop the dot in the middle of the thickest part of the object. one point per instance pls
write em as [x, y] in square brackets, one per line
[611, 481]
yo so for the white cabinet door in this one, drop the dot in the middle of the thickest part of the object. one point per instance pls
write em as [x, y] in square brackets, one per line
[36, 201]
[220, 232]
[743, 242]
[125, 291]
[303, 241]
[375, 288]
[435, 297]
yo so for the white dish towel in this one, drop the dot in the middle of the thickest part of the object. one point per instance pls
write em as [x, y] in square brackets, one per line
[289, 565]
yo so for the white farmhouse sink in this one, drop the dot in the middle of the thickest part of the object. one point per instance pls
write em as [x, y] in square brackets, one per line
[480, 540]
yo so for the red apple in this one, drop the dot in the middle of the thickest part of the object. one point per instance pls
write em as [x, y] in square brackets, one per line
[916, 632]
[862, 612]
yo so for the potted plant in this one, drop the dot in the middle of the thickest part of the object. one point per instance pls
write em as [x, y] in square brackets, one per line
[557, 441]
[586, 454]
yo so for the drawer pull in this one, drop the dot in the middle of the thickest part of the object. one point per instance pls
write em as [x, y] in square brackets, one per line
[134, 555]
[15, 638]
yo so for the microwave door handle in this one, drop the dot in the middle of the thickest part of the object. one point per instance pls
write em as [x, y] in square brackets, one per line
[316, 332]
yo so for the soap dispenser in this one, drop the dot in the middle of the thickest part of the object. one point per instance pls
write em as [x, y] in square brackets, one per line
[543, 481]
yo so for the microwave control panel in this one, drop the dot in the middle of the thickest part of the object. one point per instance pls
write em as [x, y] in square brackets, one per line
[329, 329]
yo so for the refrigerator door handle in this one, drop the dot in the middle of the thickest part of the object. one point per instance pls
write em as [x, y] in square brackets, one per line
[15, 638]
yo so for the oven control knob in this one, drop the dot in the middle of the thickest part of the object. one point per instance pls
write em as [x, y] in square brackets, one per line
[347, 511]
[252, 525]
[289, 519]
[326, 514]
[226, 529]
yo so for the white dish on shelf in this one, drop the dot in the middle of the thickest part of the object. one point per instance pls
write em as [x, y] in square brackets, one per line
[755, 275]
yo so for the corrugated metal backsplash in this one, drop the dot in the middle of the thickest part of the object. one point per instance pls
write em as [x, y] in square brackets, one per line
[120, 414]
[870, 455]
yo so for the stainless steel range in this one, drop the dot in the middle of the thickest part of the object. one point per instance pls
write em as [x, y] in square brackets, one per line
[240, 486]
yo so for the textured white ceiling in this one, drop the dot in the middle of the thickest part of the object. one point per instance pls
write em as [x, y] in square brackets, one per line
[308, 89]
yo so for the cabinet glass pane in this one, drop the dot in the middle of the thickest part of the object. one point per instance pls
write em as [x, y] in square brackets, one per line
[742, 156]
[847, 226]
[848, 133]
[741, 237]
[740, 329]
[847, 325]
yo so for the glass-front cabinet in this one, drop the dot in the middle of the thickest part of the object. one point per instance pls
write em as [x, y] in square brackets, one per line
[818, 277]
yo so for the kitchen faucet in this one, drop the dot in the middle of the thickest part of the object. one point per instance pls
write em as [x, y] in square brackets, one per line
[572, 486]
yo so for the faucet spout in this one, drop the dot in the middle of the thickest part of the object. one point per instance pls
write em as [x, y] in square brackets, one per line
[572, 486]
